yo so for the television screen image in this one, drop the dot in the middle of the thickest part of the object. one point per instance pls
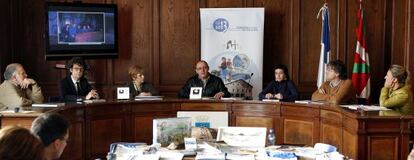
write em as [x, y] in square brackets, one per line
[77, 29]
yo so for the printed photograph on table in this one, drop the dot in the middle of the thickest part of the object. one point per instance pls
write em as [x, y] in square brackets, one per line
[171, 130]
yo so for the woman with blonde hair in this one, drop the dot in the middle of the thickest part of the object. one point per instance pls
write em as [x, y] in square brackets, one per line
[396, 93]
[19, 144]
[138, 87]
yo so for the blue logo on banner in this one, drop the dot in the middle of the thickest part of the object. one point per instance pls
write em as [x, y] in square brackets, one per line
[202, 124]
[221, 25]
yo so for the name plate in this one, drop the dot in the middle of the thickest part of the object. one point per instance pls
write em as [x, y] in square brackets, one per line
[122, 93]
[196, 92]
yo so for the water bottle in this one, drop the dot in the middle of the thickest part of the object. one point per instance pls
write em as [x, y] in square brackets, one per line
[271, 138]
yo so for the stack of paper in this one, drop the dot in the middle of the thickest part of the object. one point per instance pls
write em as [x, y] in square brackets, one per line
[210, 156]
[148, 98]
[365, 107]
[48, 104]
[308, 102]
[270, 100]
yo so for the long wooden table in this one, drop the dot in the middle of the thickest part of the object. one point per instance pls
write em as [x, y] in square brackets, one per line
[359, 134]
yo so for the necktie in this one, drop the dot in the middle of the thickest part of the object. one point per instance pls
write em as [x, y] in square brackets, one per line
[77, 88]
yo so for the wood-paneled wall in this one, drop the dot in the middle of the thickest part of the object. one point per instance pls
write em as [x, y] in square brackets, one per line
[163, 36]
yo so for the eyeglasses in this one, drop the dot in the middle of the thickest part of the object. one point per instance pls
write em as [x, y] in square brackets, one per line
[78, 68]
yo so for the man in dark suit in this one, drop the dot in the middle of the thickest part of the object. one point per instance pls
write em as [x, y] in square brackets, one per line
[76, 87]
[212, 85]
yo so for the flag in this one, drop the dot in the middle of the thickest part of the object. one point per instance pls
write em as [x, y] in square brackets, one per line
[360, 70]
[325, 44]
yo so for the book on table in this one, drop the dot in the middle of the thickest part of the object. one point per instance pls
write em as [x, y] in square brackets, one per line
[171, 130]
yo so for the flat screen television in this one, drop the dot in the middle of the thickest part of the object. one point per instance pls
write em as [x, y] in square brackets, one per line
[81, 29]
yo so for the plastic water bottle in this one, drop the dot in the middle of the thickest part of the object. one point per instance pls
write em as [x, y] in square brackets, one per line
[271, 138]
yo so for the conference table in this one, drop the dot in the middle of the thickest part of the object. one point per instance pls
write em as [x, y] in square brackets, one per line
[358, 134]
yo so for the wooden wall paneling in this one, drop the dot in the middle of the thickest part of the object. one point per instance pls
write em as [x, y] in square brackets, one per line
[298, 131]
[255, 115]
[28, 43]
[277, 44]
[163, 36]
[410, 39]
[351, 128]
[350, 143]
[179, 42]
[378, 143]
[331, 128]
[6, 31]
[204, 106]
[115, 122]
[396, 137]
[25, 122]
[75, 144]
[300, 125]
[102, 137]
[343, 51]
[309, 43]
[398, 31]
[226, 3]
[135, 39]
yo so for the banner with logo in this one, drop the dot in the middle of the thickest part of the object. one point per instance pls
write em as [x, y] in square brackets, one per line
[232, 44]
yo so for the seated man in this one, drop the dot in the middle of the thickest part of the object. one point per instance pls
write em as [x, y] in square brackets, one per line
[212, 85]
[17, 89]
[76, 87]
[337, 89]
[53, 130]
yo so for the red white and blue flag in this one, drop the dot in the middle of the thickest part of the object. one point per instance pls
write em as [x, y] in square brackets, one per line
[325, 44]
[360, 70]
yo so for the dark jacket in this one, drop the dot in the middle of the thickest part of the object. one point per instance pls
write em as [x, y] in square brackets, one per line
[286, 88]
[214, 85]
[145, 87]
[68, 90]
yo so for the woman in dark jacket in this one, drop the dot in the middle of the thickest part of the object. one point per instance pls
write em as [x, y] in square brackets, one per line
[281, 88]
[138, 87]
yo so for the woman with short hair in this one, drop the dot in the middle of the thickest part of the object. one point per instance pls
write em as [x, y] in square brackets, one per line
[138, 86]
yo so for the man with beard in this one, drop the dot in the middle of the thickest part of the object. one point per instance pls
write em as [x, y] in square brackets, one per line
[17, 89]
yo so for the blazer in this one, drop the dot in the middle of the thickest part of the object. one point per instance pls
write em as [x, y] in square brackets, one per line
[400, 100]
[214, 85]
[285, 87]
[68, 92]
[13, 96]
[145, 87]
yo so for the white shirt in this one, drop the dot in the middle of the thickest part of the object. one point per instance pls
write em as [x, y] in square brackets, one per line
[74, 82]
